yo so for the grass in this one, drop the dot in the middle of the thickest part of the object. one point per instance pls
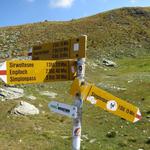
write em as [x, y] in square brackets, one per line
[52, 131]
[120, 35]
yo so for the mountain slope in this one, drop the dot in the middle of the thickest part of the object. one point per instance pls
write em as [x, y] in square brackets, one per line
[124, 31]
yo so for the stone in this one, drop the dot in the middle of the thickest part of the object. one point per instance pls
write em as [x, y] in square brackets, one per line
[20, 140]
[109, 86]
[92, 141]
[85, 136]
[49, 94]
[109, 63]
[40, 105]
[10, 93]
[24, 108]
[31, 97]
[130, 81]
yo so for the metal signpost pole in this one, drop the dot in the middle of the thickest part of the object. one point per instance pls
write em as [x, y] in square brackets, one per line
[78, 103]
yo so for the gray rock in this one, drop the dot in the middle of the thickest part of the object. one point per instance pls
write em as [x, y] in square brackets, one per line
[10, 93]
[110, 86]
[109, 63]
[85, 136]
[92, 141]
[49, 94]
[31, 97]
[24, 108]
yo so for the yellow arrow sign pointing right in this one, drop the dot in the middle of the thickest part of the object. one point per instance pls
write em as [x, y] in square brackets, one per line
[108, 102]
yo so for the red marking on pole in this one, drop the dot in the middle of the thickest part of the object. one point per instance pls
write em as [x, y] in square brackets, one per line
[138, 116]
[2, 72]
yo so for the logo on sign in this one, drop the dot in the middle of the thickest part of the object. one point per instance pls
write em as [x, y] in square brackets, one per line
[77, 132]
[112, 105]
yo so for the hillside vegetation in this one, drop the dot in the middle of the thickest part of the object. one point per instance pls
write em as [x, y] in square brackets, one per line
[121, 32]
[122, 35]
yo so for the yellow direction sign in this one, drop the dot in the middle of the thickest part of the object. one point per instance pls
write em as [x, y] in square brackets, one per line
[66, 49]
[108, 102]
[79, 87]
[31, 71]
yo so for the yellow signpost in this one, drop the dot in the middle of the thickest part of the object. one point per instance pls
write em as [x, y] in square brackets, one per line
[54, 62]
[107, 101]
[29, 71]
[66, 49]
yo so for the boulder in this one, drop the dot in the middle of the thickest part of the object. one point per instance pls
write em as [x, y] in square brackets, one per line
[109, 63]
[24, 108]
[9, 93]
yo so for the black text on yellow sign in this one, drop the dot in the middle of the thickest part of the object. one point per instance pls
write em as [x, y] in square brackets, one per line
[31, 71]
[107, 101]
[66, 49]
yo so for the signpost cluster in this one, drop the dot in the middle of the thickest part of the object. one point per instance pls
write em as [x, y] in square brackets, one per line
[37, 71]
[64, 61]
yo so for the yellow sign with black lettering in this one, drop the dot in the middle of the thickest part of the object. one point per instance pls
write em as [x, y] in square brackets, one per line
[29, 71]
[66, 49]
[107, 101]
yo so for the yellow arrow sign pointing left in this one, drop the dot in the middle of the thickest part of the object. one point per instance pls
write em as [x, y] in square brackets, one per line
[108, 102]
[33, 71]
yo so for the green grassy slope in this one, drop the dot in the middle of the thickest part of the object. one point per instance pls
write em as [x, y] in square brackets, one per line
[52, 131]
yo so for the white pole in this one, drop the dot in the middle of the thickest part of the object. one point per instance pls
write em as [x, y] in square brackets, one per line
[78, 103]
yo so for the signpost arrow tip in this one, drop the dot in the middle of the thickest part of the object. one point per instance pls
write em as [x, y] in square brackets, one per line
[3, 73]
[138, 116]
